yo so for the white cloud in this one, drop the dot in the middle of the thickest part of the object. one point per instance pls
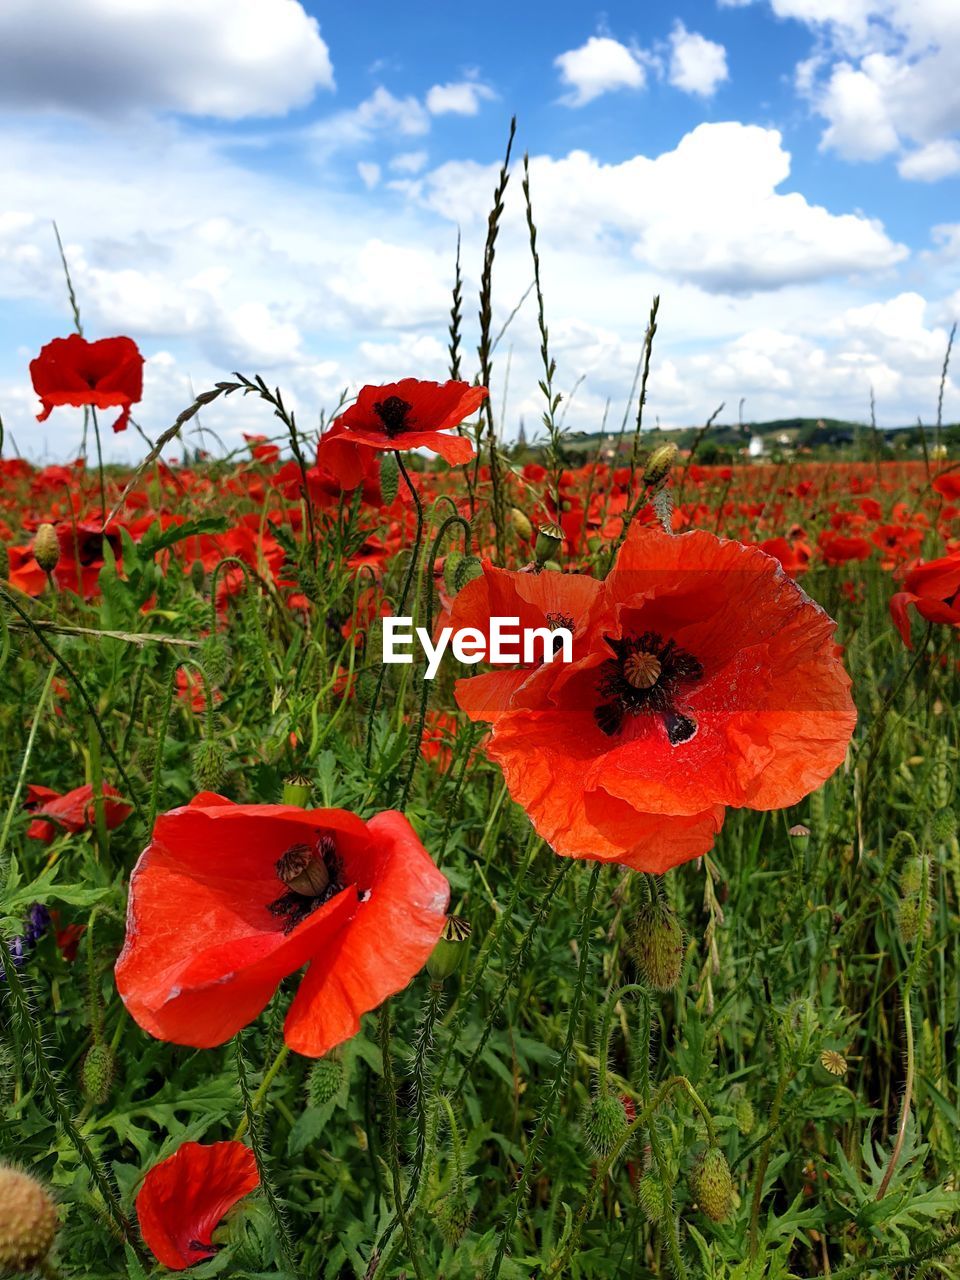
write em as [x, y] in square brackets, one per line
[754, 238]
[224, 58]
[381, 113]
[409, 162]
[697, 65]
[599, 66]
[369, 174]
[856, 104]
[461, 99]
[940, 159]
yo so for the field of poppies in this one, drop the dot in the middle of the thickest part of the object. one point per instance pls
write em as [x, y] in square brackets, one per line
[642, 964]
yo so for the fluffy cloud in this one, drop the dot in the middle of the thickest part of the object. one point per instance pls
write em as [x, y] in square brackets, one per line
[461, 99]
[697, 65]
[599, 66]
[940, 159]
[223, 58]
[380, 114]
[753, 239]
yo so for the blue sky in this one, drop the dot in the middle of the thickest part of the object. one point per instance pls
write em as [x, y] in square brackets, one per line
[277, 187]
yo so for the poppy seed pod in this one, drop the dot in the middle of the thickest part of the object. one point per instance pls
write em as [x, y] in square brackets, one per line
[449, 952]
[712, 1185]
[521, 524]
[548, 543]
[296, 790]
[659, 464]
[303, 871]
[28, 1222]
[46, 548]
[656, 940]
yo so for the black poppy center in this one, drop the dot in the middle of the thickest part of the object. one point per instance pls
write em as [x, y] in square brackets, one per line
[393, 412]
[647, 675]
[312, 874]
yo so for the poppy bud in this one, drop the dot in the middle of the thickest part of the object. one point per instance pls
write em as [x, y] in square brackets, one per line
[365, 685]
[450, 562]
[296, 790]
[911, 877]
[198, 575]
[447, 954]
[249, 1232]
[4, 561]
[744, 1115]
[209, 764]
[470, 567]
[943, 827]
[712, 1185]
[521, 524]
[657, 945]
[548, 543]
[651, 1197]
[604, 1122]
[389, 478]
[29, 1222]
[325, 1080]
[908, 921]
[659, 464]
[303, 871]
[46, 548]
[97, 1073]
[309, 584]
[214, 659]
[453, 1216]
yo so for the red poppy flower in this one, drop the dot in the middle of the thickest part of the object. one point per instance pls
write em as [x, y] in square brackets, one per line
[74, 811]
[838, 549]
[933, 589]
[701, 677]
[228, 899]
[411, 414]
[947, 483]
[184, 1197]
[104, 374]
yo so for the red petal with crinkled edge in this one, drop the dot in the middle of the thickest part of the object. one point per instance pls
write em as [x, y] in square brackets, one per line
[184, 1197]
[396, 926]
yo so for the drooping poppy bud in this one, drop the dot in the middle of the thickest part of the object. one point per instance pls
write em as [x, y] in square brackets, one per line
[468, 568]
[209, 764]
[657, 945]
[46, 548]
[712, 1184]
[650, 1196]
[659, 464]
[97, 1073]
[29, 1222]
[325, 1079]
[604, 1122]
[521, 524]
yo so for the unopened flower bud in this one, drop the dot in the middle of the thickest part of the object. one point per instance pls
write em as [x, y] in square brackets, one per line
[450, 562]
[659, 464]
[198, 575]
[943, 826]
[449, 952]
[97, 1073]
[548, 543]
[908, 920]
[389, 478]
[712, 1184]
[657, 945]
[521, 524]
[325, 1080]
[296, 790]
[209, 764]
[911, 877]
[604, 1122]
[650, 1197]
[744, 1115]
[46, 548]
[467, 569]
[453, 1216]
[28, 1222]
[214, 659]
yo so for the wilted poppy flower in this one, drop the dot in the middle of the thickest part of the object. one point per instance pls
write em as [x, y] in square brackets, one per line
[74, 811]
[701, 677]
[228, 899]
[411, 414]
[933, 589]
[184, 1197]
[105, 374]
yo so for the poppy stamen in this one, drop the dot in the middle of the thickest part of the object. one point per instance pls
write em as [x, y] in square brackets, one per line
[645, 676]
[392, 412]
[312, 875]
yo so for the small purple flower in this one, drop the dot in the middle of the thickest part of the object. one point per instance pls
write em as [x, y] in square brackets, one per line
[38, 921]
[18, 954]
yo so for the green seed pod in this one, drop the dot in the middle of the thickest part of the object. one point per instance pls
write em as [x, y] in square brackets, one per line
[198, 576]
[453, 1216]
[548, 543]
[470, 567]
[604, 1122]
[296, 790]
[745, 1116]
[325, 1079]
[46, 548]
[521, 524]
[447, 955]
[656, 940]
[210, 763]
[712, 1185]
[659, 464]
[943, 826]
[215, 660]
[28, 1222]
[389, 478]
[651, 1198]
[98, 1073]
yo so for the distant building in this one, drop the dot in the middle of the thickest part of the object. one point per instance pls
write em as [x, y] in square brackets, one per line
[756, 448]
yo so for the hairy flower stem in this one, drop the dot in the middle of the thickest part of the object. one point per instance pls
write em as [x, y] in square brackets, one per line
[422, 1081]
[559, 1078]
[258, 1098]
[14, 804]
[161, 739]
[407, 583]
[783, 1080]
[393, 1139]
[606, 1027]
[29, 1029]
[908, 1028]
[103, 486]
